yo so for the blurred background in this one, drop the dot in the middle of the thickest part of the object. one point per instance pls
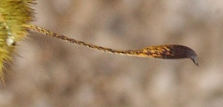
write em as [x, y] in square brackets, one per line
[48, 72]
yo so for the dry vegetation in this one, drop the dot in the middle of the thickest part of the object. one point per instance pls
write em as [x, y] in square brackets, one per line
[52, 73]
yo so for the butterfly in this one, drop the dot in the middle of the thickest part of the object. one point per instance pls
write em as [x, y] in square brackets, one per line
[15, 17]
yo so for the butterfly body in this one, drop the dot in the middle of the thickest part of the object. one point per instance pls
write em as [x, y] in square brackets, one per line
[14, 14]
